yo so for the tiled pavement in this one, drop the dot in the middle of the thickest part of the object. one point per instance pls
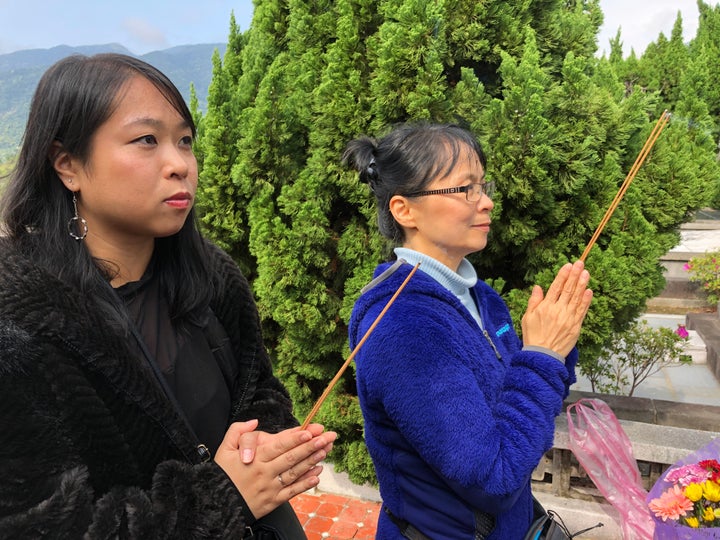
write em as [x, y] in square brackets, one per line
[326, 516]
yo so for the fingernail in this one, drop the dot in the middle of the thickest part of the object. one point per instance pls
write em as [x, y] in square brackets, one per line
[321, 443]
[247, 456]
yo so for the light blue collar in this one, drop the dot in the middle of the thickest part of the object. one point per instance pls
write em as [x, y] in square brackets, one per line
[459, 283]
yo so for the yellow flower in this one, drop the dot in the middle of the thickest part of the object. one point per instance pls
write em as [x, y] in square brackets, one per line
[711, 490]
[692, 522]
[717, 513]
[694, 492]
[708, 514]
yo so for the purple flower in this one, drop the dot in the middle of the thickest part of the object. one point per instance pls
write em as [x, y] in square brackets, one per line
[682, 331]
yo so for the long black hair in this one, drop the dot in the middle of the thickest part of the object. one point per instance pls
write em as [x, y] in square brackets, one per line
[73, 99]
[405, 161]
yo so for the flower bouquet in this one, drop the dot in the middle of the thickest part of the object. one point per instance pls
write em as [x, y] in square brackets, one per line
[685, 501]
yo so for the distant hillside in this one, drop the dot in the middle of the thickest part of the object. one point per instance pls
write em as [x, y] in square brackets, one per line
[21, 70]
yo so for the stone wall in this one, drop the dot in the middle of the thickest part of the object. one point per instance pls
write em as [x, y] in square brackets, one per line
[661, 433]
[707, 325]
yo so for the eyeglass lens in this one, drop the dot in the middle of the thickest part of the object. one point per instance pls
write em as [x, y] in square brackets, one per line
[475, 191]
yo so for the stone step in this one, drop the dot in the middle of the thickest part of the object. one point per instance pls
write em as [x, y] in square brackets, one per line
[696, 239]
[664, 304]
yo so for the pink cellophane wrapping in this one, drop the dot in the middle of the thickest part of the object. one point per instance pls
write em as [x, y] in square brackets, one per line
[668, 530]
[604, 450]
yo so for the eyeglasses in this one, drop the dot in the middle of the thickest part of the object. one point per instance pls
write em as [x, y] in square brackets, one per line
[473, 192]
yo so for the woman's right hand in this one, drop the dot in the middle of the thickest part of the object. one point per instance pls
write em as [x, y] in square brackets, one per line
[284, 465]
[553, 321]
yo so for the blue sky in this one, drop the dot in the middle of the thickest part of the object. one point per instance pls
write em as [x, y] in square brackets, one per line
[148, 25]
[140, 25]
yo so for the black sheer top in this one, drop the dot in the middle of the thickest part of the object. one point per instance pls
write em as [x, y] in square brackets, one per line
[185, 358]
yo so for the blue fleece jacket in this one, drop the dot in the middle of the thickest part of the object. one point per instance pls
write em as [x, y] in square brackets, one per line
[452, 426]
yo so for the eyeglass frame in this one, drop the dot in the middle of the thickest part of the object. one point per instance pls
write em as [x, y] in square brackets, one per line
[485, 188]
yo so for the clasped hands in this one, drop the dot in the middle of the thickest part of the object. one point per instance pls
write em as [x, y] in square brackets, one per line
[269, 469]
[554, 320]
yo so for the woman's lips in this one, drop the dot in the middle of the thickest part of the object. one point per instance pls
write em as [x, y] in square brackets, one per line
[179, 200]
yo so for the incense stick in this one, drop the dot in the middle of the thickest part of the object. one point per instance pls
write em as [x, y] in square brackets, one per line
[654, 134]
[342, 369]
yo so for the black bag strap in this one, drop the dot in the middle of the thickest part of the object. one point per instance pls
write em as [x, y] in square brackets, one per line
[547, 525]
[406, 529]
[484, 525]
[280, 524]
[202, 450]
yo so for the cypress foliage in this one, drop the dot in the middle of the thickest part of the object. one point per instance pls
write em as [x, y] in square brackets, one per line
[675, 56]
[678, 74]
[222, 204]
[560, 127]
[706, 45]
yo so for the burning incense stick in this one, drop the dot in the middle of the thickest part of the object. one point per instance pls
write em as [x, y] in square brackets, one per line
[659, 126]
[332, 384]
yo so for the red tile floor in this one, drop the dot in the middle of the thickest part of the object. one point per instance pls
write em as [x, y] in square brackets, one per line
[326, 516]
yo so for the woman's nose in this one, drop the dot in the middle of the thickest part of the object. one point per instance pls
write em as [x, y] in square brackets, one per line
[485, 203]
[178, 162]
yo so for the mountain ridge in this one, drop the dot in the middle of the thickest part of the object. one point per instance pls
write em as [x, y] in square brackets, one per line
[21, 70]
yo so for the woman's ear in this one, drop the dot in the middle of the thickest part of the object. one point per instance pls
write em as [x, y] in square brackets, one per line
[402, 211]
[64, 166]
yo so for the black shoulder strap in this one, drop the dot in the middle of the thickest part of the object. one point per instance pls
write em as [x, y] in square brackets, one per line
[484, 525]
[202, 450]
[406, 529]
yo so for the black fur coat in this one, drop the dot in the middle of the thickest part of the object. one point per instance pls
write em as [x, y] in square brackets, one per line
[89, 444]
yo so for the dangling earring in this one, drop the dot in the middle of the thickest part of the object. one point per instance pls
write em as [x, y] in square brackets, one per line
[76, 222]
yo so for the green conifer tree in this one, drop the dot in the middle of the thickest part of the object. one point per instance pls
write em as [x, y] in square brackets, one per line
[675, 60]
[679, 74]
[559, 127]
[685, 168]
[706, 44]
[222, 204]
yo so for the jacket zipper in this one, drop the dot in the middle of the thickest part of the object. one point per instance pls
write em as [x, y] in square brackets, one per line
[482, 326]
[490, 341]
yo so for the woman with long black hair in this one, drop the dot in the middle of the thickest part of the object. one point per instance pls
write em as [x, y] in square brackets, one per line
[136, 397]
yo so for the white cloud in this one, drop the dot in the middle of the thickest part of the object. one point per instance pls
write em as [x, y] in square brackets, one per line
[144, 33]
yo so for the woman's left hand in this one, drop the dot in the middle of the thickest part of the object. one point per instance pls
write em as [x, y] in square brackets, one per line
[554, 320]
[285, 464]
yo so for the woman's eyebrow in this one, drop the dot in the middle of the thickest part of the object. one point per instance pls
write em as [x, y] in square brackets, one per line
[154, 122]
[474, 177]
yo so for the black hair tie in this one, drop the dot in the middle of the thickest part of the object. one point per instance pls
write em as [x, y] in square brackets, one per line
[372, 175]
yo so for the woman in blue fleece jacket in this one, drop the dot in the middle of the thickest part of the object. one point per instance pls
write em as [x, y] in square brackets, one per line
[458, 410]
